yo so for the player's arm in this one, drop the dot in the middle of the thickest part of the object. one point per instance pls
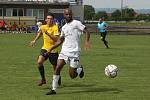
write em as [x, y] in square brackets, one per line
[106, 26]
[53, 37]
[86, 38]
[39, 34]
[58, 43]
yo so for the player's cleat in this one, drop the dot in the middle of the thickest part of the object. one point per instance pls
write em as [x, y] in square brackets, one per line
[82, 73]
[59, 81]
[41, 82]
[107, 47]
[51, 92]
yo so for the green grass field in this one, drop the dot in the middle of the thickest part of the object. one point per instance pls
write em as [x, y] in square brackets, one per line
[131, 53]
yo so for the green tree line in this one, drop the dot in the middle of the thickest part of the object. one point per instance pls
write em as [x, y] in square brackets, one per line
[126, 14]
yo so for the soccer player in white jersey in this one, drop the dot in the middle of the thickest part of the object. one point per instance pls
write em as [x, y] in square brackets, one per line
[70, 51]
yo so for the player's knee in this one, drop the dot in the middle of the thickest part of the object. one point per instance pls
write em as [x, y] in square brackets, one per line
[39, 62]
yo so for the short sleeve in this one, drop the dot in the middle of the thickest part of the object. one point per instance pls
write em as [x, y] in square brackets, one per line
[105, 24]
[56, 32]
[62, 34]
[80, 26]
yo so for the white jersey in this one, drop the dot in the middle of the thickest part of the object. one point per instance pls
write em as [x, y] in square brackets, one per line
[71, 32]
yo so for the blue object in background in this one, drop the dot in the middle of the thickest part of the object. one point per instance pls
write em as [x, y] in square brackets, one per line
[34, 28]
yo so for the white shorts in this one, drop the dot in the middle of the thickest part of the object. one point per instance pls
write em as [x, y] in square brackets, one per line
[73, 62]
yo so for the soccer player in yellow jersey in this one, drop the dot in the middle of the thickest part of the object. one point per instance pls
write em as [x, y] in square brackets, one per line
[50, 35]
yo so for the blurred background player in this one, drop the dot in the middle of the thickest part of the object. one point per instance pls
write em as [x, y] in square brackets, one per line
[102, 27]
[51, 29]
[2, 26]
[24, 27]
[14, 27]
[19, 28]
[9, 27]
[70, 51]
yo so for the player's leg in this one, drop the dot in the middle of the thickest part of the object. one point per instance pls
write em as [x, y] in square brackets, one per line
[53, 60]
[56, 76]
[72, 72]
[40, 62]
[105, 42]
[75, 68]
[103, 38]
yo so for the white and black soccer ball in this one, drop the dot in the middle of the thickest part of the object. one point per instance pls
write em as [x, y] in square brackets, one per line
[111, 71]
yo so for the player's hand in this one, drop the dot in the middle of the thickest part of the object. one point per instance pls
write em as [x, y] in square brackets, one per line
[86, 45]
[32, 43]
[47, 33]
[46, 54]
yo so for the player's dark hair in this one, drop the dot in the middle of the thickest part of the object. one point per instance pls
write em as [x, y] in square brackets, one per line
[68, 10]
[50, 14]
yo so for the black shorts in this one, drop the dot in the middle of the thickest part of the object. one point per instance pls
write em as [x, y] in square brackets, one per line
[103, 34]
[52, 56]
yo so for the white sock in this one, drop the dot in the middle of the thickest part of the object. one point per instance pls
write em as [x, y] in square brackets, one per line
[55, 82]
[79, 70]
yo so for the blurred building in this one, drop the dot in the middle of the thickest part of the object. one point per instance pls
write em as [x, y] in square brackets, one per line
[39, 8]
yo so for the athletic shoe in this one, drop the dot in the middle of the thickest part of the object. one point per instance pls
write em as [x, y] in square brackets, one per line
[41, 82]
[82, 73]
[107, 47]
[59, 81]
[51, 92]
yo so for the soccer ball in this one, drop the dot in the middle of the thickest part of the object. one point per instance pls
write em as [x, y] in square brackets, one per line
[111, 71]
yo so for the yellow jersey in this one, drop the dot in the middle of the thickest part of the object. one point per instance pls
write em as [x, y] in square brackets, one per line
[47, 41]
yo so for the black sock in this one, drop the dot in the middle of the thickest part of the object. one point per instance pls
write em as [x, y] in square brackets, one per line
[42, 71]
[106, 43]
